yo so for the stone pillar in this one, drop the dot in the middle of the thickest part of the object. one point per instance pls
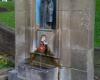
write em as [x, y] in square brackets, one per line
[22, 27]
[76, 23]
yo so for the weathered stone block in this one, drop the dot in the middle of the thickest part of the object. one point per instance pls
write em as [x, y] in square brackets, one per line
[64, 19]
[20, 5]
[65, 74]
[63, 5]
[78, 75]
[65, 48]
[80, 4]
[65, 58]
[79, 59]
[80, 20]
[21, 20]
[78, 39]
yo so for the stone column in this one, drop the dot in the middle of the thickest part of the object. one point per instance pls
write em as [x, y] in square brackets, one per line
[76, 23]
[22, 29]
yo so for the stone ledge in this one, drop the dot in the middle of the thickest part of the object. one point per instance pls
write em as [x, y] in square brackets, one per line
[3, 77]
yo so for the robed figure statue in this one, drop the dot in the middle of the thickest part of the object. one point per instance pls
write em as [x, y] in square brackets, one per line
[47, 8]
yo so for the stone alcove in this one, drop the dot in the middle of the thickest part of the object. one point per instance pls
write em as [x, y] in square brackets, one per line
[75, 22]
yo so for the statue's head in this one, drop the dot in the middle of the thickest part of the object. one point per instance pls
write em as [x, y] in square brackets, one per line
[43, 37]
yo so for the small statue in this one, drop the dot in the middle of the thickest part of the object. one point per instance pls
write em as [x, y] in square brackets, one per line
[43, 44]
[43, 57]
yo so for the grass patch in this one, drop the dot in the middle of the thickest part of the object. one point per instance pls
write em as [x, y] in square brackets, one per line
[8, 5]
[5, 62]
[97, 24]
[8, 18]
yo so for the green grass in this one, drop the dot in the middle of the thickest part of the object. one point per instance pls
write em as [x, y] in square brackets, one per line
[97, 39]
[97, 24]
[8, 5]
[8, 18]
[5, 62]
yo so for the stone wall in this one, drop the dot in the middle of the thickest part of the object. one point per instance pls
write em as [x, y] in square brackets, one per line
[7, 40]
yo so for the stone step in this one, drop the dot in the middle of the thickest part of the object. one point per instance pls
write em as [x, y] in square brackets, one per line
[4, 71]
[3, 77]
